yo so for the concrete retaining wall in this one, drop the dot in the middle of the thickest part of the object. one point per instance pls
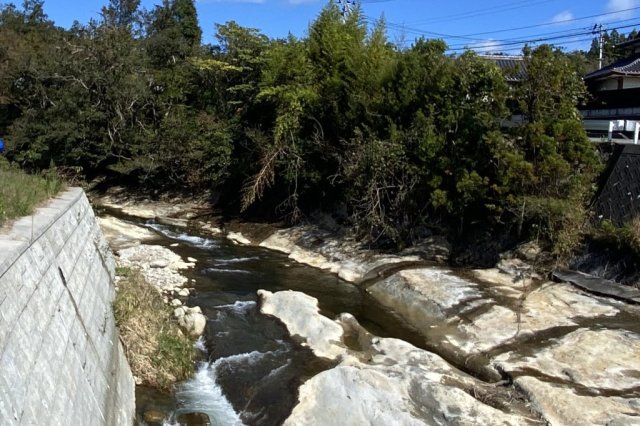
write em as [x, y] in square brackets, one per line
[619, 196]
[61, 361]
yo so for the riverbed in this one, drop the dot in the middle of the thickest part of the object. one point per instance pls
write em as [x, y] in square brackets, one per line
[250, 368]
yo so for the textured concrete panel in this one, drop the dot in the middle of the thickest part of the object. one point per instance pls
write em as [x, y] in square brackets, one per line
[60, 353]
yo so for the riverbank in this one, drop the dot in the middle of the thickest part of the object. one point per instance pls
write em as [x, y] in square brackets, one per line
[549, 344]
[159, 353]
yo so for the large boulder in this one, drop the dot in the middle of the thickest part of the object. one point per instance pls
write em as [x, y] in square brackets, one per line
[300, 314]
[191, 320]
[238, 238]
[425, 296]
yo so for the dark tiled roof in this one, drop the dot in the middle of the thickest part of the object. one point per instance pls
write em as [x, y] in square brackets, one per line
[629, 43]
[513, 66]
[628, 66]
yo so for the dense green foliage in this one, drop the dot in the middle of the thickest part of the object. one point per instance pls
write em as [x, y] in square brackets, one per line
[398, 141]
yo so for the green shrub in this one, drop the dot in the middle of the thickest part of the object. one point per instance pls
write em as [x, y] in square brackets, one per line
[158, 353]
[624, 238]
[20, 192]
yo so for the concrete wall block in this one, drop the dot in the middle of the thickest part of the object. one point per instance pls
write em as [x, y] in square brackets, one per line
[10, 308]
[23, 278]
[61, 361]
[6, 413]
[9, 251]
[78, 340]
[84, 272]
[14, 371]
[75, 243]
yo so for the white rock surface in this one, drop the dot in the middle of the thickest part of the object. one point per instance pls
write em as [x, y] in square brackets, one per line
[144, 257]
[121, 234]
[192, 321]
[505, 285]
[147, 209]
[159, 264]
[300, 314]
[424, 296]
[596, 359]
[549, 306]
[563, 406]
[319, 250]
[390, 382]
[238, 238]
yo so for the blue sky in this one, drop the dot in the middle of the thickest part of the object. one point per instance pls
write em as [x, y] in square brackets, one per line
[461, 21]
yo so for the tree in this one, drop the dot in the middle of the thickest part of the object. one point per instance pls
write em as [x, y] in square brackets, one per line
[123, 14]
[563, 161]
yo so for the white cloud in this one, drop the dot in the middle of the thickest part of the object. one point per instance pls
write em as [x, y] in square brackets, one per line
[562, 17]
[486, 46]
[621, 6]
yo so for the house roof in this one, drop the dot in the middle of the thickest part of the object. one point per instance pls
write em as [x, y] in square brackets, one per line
[629, 43]
[627, 66]
[513, 67]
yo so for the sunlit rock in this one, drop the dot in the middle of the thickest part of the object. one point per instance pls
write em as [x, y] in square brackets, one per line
[595, 359]
[238, 238]
[121, 234]
[300, 314]
[562, 405]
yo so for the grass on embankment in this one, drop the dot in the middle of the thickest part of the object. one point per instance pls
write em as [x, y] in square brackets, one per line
[20, 192]
[158, 352]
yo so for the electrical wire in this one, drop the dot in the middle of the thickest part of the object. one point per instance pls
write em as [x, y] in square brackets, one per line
[545, 39]
[562, 21]
[484, 11]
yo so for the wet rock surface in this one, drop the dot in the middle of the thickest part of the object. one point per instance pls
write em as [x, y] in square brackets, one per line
[388, 381]
[564, 348]
[352, 263]
[121, 234]
[300, 313]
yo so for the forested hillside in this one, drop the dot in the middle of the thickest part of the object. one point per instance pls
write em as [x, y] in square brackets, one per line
[399, 142]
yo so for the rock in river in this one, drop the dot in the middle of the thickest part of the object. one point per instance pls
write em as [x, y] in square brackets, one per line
[387, 382]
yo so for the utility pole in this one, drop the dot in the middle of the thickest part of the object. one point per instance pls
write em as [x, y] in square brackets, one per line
[346, 6]
[598, 29]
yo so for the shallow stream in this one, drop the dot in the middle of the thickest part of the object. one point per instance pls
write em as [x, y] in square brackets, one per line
[251, 369]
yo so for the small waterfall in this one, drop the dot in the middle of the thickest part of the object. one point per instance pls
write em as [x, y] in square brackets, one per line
[200, 242]
[203, 395]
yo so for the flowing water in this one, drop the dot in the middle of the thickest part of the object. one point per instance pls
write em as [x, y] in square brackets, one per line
[251, 368]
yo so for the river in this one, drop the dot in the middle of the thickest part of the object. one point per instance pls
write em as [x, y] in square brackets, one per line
[250, 368]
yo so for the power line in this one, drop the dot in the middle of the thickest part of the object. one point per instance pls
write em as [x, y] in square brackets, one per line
[559, 34]
[484, 11]
[563, 21]
[544, 39]
[415, 31]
